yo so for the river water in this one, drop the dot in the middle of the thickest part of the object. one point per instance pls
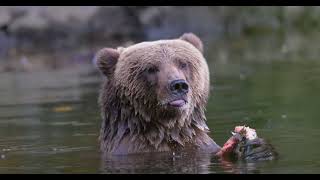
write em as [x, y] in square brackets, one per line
[50, 121]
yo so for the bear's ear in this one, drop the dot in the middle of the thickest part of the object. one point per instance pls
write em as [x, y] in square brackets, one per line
[194, 40]
[106, 60]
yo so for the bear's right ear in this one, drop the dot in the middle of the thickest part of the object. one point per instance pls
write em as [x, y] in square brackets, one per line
[106, 60]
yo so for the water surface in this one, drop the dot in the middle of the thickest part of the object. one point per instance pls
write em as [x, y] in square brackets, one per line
[49, 120]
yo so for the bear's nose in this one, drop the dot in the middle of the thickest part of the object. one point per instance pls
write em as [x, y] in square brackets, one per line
[179, 86]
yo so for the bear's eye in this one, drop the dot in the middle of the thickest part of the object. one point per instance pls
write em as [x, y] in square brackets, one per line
[183, 65]
[152, 70]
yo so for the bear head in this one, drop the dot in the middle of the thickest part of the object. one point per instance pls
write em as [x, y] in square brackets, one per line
[164, 83]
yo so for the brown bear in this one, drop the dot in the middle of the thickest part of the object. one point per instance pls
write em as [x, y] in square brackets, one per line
[154, 96]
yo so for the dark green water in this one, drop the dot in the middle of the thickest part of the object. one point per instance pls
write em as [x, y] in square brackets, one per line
[49, 121]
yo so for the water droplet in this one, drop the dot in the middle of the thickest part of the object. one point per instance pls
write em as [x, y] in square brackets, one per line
[3, 156]
[284, 116]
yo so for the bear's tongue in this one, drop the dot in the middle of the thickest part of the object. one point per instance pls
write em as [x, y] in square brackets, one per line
[177, 103]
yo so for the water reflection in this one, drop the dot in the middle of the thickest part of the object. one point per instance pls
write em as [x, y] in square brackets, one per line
[42, 125]
[157, 163]
[50, 121]
[184, 163]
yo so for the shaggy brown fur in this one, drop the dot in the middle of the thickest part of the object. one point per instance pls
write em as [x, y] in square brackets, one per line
[134, 97]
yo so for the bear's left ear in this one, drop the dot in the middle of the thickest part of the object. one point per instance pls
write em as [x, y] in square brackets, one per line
[106, 60]
[194, 40]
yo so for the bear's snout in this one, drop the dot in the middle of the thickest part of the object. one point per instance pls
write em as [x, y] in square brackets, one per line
[179, 87]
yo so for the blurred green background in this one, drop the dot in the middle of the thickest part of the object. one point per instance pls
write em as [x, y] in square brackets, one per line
[77, 32]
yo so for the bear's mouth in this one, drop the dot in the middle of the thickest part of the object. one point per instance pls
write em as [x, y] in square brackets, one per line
[177, 103]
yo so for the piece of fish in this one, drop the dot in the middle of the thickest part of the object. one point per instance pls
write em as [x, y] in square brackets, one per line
[250, 147]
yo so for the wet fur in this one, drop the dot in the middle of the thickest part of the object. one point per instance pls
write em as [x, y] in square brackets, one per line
[135, 120]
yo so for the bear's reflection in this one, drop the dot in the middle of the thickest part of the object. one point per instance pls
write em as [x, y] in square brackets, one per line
[164, 163]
